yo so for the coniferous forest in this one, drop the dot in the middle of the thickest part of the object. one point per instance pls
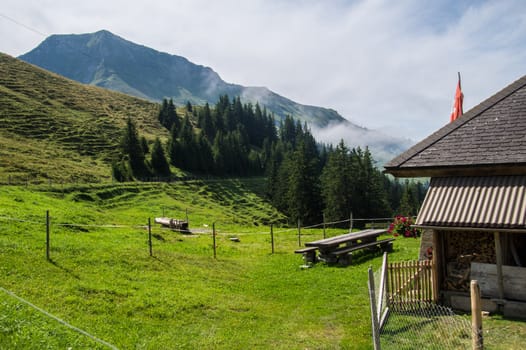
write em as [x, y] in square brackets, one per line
[306, 180]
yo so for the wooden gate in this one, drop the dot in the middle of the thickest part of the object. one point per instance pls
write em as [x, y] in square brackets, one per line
[410, 282]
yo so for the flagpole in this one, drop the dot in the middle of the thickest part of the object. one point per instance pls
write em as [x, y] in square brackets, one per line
[460, 87]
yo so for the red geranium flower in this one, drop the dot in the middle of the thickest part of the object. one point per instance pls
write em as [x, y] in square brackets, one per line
[402, 226]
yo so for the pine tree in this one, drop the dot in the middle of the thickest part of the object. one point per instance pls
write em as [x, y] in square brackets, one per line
[206, 158]
[132, 148]
[144, 145]
[394, 191]
[174, 150]
[158, 159]
[406, 202]
[303, 195]
[120, 171]
[280, 194]
[288, 131]
[272, 167]
[168, 115]
[163, 113]
[336, 184]
[205, 122]
[411, 198]
[189, 157]
[217, 153]
[375, 197]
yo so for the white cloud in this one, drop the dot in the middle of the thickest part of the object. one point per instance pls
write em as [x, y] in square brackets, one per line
[382, 64]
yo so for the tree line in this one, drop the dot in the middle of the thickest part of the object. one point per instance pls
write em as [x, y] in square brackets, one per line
[306, 180]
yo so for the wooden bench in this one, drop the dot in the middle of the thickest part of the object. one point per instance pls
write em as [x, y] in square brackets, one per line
[309, 254]
[343, 255]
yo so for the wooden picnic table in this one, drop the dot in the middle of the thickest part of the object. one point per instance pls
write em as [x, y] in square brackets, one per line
[339, 248]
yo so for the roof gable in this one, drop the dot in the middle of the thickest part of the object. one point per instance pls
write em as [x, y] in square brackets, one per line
[490, 138]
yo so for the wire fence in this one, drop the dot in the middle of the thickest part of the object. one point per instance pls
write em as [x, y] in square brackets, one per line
[425, 325]
[206, 229]
[57, 319]
[282, 238]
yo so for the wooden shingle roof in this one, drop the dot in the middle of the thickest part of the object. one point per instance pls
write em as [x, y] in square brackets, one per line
[489, 139]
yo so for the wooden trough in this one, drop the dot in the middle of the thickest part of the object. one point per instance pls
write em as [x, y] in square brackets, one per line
[174, 224]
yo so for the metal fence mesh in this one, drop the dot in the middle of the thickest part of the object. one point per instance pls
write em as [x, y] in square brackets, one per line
[420, 324]
[425, 326]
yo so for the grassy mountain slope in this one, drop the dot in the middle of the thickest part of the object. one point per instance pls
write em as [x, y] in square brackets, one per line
[55, 128]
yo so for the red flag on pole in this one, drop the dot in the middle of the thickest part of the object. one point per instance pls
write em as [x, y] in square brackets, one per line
[457, 104]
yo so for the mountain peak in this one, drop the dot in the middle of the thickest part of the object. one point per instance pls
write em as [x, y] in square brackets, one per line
[107, 36]
[78, 38]
[104, 32]
[107, 60]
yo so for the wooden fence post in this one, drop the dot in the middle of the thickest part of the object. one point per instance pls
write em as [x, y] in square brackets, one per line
[350, 222]
[476, 317]
[374, 319]
[47, 235]
[324, 235]
[382, 287]
[150, 236]
[214, 239]
[299, 232]
[272, 237]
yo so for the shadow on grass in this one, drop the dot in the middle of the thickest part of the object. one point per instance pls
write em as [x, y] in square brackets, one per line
[158, 259]
[65, 269]
[360, 257]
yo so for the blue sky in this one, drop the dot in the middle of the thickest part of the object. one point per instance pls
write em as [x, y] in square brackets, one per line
[386, 65]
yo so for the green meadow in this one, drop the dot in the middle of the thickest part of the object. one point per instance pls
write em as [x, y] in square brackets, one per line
[102, 280]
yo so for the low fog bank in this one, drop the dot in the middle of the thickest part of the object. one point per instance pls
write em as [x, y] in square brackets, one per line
[382, 145]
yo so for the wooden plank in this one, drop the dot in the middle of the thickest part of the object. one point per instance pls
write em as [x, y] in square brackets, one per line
[336, 240]
[437, 266]
[349, 249]
[425, 280]
[514, 280]
[305, 250]
[498, 252]
[463, 302]
[515, 310]
[429, 278]
[399, 281]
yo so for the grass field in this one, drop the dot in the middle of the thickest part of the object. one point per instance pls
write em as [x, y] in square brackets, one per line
[102, 279]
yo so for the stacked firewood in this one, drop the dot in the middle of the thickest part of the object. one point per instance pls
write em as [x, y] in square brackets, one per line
[463, 248]
[458, 271]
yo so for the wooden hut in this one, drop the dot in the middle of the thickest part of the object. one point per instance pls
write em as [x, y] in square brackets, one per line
[475, 208]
